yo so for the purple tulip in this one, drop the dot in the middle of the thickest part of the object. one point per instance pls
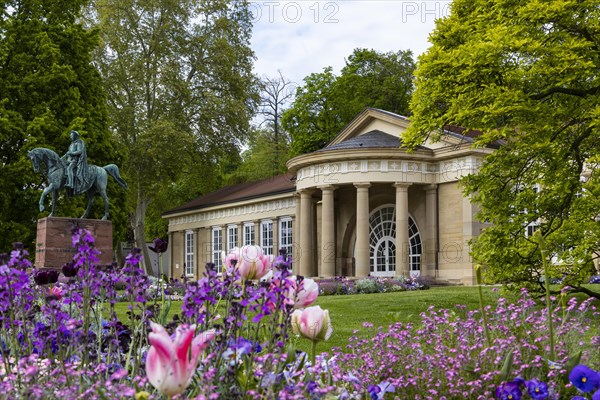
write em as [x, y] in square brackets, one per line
[44, 277]
[69, 269]
[159, 246]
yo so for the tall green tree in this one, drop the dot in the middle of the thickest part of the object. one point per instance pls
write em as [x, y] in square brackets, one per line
[48, 86]
[326, 102]
[181, 93]
[525, 74]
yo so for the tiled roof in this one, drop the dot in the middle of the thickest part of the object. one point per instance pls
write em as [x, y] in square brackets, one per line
[469, 135]
[244, 191]
[375, 139]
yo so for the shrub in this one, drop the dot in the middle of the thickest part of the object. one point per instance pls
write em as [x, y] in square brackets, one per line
[367, 285]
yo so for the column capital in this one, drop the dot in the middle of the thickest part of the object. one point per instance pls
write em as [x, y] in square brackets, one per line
[327, 187]
[430, 187]
[305, 191]
[362, 185]
[402, 186]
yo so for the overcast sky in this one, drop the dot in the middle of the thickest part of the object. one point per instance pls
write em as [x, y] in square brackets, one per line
[301, 37]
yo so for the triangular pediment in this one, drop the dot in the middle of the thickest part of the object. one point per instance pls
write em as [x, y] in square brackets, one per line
[374, 119]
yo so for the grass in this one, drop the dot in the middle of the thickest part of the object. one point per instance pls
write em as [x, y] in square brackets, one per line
[348, 312]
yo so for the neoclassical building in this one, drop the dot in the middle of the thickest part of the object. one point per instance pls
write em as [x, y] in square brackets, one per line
[360, 206]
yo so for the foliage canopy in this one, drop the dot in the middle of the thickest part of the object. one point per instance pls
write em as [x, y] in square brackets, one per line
[48, 86]
[325, 103]
[526, 74]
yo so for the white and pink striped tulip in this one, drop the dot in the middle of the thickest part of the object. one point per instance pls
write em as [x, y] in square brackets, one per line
[171, 363]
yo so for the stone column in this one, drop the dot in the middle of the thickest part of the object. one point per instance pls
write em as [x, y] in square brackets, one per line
[297, 246]
[171, 256]
[306, 234]
[402, 245]
[363, 262]
[327, 232]
[275, 236]
[431, 230]
[199, 267]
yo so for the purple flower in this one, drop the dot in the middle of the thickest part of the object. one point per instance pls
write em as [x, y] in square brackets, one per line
[596, 395]
[509, 391]
[44, 277]
[584, 378]
[69, 269]
[578, 398]
[378, 392]
[159, 246]
[537, 390]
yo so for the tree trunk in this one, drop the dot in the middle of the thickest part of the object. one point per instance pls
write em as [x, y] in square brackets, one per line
[139, 230]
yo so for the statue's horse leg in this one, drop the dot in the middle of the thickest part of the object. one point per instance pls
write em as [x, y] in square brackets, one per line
[48, 189]
[101, 183]
[90, 195]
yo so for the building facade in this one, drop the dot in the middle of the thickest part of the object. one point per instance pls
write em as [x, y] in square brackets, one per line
[361, 206]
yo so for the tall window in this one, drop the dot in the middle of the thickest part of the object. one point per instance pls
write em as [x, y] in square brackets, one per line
[382, 234]
[535, 224]
[266, 237]
[217, 247]
[249, 234]
[189, 253]
[232, 237]
[285, 235]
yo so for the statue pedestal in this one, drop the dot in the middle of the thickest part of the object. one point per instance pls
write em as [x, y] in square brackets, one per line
[53, 246]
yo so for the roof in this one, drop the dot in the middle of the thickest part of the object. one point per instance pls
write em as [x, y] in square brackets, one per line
[244, 191]
[374, 139]
[469, 135]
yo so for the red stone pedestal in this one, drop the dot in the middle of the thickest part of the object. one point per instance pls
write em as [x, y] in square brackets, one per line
[53, 246]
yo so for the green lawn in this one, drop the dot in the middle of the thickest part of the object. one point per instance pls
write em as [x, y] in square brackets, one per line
[348, 312]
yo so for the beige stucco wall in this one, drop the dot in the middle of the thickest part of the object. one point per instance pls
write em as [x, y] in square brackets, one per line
[456, 225]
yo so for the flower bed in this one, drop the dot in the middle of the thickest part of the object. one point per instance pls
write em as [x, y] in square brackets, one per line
[61, 339]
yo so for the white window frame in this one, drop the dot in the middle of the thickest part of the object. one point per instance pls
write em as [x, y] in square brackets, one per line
[533, 226]
[217, 246]
[232, 237]
[190, 259]
[266, 237]
[286, 235]
[249, 234]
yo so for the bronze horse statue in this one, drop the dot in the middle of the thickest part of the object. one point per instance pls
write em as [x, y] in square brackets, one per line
[56, 173]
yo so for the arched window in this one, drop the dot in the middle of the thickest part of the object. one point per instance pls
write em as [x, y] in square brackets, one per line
[382, 232]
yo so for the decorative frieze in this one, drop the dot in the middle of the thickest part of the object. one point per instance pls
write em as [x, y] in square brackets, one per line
[254, 209]
[411, 170]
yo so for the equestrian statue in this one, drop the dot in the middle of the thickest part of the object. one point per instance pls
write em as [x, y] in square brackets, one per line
[73, 172]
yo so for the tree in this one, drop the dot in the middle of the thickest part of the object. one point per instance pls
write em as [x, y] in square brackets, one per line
[525, 74]
[264, 158]
[181, 92]
[48, 86]
[275, 94]
[326, 102]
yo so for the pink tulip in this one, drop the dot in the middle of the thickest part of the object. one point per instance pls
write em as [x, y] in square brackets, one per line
[312, 323]
[171, 364]
[250, 261]
[307, 292]
[56, 292]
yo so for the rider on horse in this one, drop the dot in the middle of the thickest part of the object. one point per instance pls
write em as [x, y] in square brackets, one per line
[77, 167]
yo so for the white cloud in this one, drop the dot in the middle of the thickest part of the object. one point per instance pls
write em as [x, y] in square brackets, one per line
[301, 37]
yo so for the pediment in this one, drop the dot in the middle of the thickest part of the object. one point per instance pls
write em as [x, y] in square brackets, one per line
[373, 119]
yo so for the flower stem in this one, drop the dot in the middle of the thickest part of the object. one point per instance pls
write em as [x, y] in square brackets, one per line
[481, 306]
[314, 352]
[548, 301]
